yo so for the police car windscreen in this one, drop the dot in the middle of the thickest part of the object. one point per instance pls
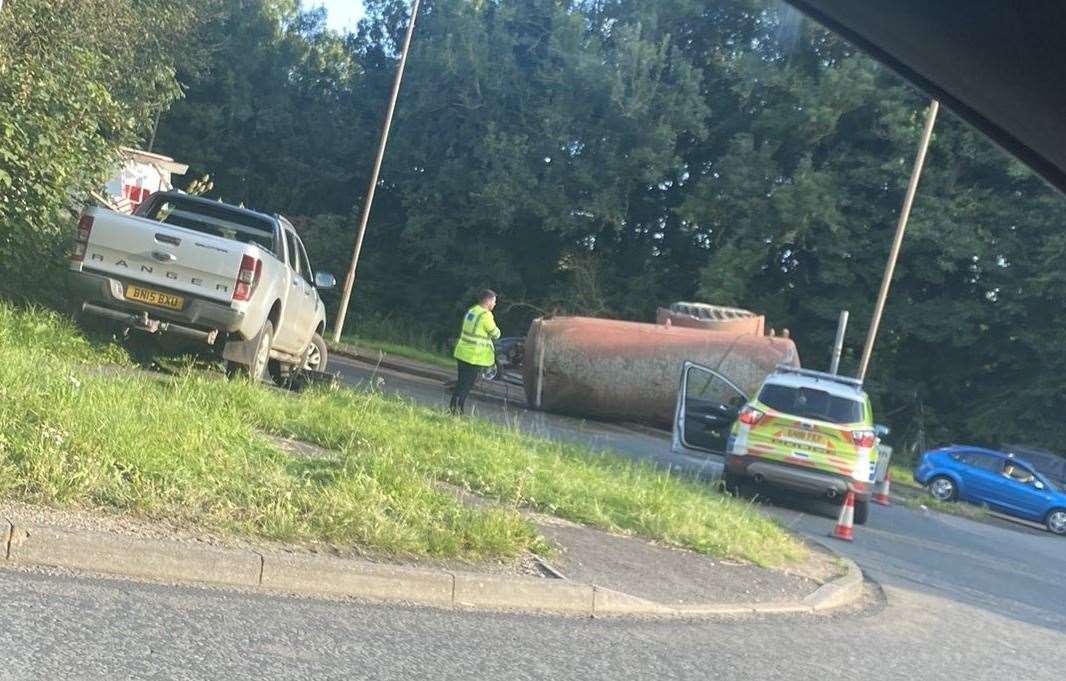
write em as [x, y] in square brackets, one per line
[217, 220]
[811, 403]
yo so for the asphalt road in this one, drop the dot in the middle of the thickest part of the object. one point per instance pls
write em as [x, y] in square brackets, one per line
[957, 600]
[1006, 568]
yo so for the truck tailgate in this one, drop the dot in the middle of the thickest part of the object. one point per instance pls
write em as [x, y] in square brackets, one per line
[164, 256]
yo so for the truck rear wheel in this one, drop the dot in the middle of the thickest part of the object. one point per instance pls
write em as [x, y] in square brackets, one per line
[257, 367]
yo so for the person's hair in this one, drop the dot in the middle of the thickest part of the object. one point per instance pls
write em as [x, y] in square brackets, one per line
[485, 295]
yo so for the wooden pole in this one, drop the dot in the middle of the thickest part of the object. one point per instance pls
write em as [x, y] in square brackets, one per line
[349, 281]
[901, 228]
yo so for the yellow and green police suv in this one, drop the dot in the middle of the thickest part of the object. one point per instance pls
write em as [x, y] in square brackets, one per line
[807, 431]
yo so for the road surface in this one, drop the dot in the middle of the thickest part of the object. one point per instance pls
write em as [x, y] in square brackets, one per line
[1006, 568]
[956, 600]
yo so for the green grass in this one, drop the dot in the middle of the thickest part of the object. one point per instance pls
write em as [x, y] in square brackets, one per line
[193, 450]
[370, 348]
[959, 508]
[903, 476]
[393, 337]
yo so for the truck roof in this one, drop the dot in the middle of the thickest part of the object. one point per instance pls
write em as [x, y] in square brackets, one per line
[216, 203]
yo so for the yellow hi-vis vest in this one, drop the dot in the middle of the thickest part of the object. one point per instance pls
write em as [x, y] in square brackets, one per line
[475, 341]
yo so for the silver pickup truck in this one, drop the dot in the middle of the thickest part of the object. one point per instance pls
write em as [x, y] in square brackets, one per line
[208, 271]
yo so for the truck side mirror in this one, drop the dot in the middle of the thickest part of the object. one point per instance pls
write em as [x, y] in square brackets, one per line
[325, 281]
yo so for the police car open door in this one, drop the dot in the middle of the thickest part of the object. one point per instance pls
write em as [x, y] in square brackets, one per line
[707, 406]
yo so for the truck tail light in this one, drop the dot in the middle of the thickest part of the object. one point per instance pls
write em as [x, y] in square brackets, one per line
[750, 416]
[247, 277]
[864, 438]
[81, 238]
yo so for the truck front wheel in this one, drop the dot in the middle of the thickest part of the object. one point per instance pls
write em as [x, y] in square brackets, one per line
[257, 366]
[317, 355]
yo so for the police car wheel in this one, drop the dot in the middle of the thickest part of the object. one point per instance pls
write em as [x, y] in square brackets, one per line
[862, 512]
[732, 482]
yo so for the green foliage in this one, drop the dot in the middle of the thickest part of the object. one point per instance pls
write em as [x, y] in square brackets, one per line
[68, 99]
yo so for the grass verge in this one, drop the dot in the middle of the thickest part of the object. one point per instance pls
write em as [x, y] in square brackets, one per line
[903, 476]
[370, 348]
[191, 450]
[959, 508]
[398, 338]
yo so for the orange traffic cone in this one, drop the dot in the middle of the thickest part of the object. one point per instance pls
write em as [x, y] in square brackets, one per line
[846, 519]
[881, 491]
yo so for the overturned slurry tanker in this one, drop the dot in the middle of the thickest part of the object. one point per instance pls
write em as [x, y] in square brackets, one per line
[609, 369]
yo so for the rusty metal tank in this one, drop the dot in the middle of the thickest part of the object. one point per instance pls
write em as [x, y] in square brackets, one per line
[609, 369]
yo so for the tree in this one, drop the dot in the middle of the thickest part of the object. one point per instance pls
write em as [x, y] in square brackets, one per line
[609, 156]
[66, 105]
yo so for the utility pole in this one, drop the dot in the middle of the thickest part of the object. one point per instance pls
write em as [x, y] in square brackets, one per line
[901, 228]
[349, 281]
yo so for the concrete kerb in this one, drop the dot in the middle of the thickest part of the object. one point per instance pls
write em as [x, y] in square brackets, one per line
[135, 557]
[842, 591]
[168, 561]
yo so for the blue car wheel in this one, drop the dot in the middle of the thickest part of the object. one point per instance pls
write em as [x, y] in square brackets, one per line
[943, 488]
[1056, 521]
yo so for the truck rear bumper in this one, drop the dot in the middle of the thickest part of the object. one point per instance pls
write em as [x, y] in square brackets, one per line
[104, 296]
[794, 478]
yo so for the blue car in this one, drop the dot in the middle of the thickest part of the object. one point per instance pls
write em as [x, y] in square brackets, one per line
[1004, 482]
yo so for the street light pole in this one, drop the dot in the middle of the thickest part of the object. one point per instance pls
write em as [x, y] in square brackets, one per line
[349, 281]
[838, 343]
[901, 227]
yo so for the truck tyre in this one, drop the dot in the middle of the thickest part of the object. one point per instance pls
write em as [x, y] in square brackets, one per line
[862, 511]
[257, 367]
[317, 354]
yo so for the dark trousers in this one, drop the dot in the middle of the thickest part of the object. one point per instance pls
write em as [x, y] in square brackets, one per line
[468, 375]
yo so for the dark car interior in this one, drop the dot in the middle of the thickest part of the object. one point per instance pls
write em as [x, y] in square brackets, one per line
[998, 65]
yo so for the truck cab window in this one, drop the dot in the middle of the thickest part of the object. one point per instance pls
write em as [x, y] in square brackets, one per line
[305, 263]
[291, 254]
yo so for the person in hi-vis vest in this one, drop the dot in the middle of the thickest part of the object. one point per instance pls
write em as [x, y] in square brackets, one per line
[475, 350]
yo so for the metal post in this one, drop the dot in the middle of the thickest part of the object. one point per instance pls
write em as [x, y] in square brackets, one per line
[838, 343]
[901, 227]
[349, 281]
